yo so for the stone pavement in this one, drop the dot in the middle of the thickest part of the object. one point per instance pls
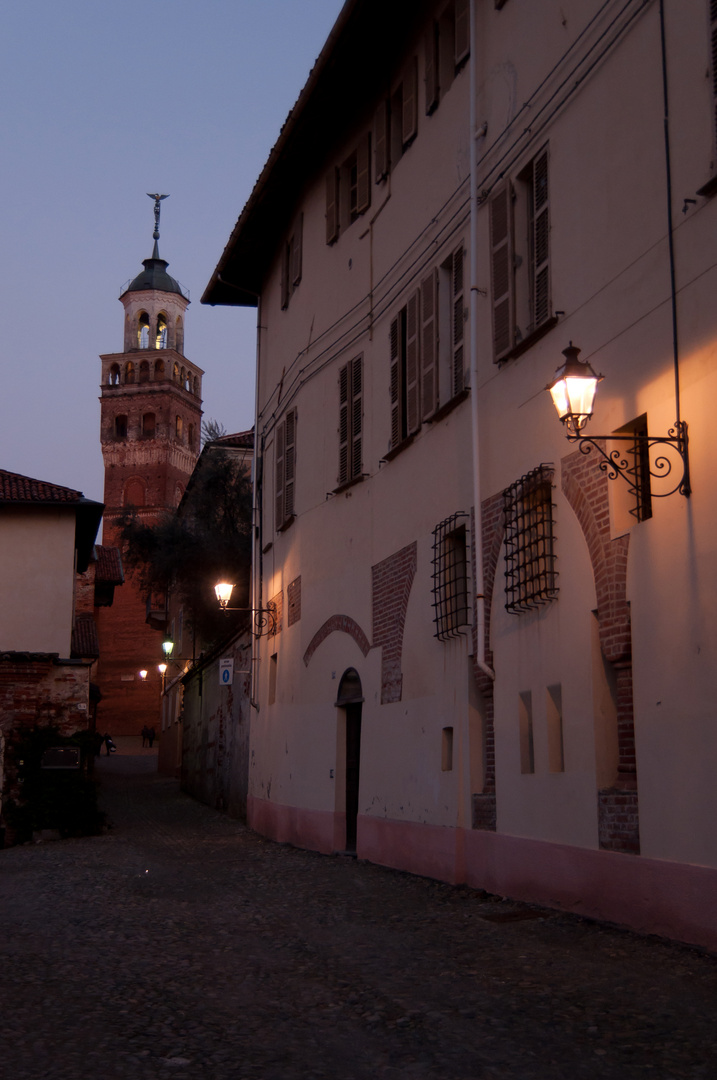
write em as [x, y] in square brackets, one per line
[182, 945]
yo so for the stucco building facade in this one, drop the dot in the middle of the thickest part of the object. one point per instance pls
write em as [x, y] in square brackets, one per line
[493, 662]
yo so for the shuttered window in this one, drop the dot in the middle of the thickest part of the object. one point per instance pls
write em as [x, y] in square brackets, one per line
[431, 61]
[409, 114]
[520, 257]
[457, 308]
[381, 141]
[332, 205]
[350, 420]
[501, 253]
[285, 472]
[713, 35]
[463, 30]
[291, 262]
[429, 345]
[539, 246]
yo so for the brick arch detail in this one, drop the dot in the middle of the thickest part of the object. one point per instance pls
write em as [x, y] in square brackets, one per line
[391, 582]
[585, 486]
[343, 623]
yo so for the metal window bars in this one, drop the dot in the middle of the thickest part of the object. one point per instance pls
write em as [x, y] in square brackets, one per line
[530, 575]
[450, 577]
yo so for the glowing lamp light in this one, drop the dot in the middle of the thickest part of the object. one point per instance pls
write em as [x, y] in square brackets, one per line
[224, 592]
[168, 646]
[161, 668]
[573, 390]
[143, 674]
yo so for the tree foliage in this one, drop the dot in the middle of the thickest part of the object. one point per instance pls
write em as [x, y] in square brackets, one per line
[206, 540]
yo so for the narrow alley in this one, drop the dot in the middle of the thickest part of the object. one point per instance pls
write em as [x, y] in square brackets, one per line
[180, 944]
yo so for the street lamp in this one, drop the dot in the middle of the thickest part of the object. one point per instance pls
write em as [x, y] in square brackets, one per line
[573, 392]
[264, 618]
[168, 646]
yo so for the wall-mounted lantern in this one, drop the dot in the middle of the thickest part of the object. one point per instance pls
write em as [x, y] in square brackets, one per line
[264, 618]
[573, 392]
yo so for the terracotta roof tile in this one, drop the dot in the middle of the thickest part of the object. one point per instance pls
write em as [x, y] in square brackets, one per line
[15, 488]
[85, 641]
[109, 565]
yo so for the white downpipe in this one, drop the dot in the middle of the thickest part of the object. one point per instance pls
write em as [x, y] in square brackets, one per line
[475, 135]
[256, 567]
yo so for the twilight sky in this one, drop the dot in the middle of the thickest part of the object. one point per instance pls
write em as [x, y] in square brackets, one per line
[102, 101]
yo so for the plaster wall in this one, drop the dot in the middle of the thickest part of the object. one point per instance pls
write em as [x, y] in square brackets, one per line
[37, 579]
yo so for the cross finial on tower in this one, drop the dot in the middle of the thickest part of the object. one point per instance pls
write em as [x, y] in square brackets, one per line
[157, 201]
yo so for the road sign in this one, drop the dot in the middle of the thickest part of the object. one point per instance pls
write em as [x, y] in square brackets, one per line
[226, 671]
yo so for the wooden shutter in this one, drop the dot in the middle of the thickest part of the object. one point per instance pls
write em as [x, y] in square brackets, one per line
[356, 416]
[332, 205]
[429, 345]
[409, 111]
[363, 174]
[296, 251]
[279, 478]
[430, 49]
[413, 374]
[501, 246]
[344, 414]
[380, 141]
[540, 240]
[285, 274]
[713, 30]
[458, 307]
[395, 344]
[289, 464]
[463, 31]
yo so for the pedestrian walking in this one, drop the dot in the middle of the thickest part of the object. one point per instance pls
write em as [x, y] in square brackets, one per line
[145, 735]
[150, 736]
[109, 744]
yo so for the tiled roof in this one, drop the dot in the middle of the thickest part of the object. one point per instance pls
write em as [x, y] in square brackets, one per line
[23, 489]
[243, 440]
[85, 641]
[109, 565]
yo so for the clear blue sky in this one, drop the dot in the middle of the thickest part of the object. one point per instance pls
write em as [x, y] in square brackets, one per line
[101, 102]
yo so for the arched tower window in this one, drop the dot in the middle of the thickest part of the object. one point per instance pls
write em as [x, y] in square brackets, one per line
[183, 379]
[159, 369]
[134, 493]
[121, 426]
[149, 425]
[129, 372]
[190, 436]
[144, 371]
[179, 333]
[175, 372]
[179, 428]
[161, 342]
[196, 386]
[114, 375]
[143, 331]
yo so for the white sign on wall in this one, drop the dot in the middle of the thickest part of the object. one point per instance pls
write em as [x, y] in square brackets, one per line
[226, 671]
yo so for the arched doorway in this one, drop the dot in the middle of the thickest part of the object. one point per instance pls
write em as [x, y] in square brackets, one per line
[350, 699]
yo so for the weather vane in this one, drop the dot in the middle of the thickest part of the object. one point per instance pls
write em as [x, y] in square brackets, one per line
[157, 201]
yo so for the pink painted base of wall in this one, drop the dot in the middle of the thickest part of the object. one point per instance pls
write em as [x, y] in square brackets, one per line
[651, 896]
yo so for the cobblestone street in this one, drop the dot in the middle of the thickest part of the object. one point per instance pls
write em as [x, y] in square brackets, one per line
[180, 944]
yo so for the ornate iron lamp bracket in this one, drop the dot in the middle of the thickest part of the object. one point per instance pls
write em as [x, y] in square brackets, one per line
[264, 618]
[615, 463]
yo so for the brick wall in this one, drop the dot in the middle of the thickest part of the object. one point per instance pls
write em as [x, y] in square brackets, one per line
[391, 582]
[484, 810]
[585, 486]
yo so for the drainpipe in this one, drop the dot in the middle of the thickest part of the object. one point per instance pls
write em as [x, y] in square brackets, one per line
[475, 135]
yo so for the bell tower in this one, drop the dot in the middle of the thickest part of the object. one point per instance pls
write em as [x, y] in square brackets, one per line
[151, 413]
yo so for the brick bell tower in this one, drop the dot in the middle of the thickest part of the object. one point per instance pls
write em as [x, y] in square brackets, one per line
[151, 409]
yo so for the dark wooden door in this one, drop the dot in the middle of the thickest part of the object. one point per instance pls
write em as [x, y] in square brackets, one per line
[353, 761]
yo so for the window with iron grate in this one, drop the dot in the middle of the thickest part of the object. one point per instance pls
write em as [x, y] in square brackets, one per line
[285, 471]
[450, 577]
[530, 574]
